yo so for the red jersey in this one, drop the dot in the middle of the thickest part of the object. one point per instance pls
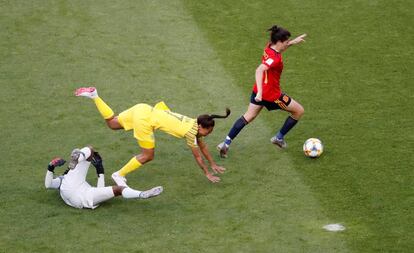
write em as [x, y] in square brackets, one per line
[271, 77]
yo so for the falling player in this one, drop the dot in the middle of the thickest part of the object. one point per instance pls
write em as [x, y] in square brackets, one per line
[144, 119]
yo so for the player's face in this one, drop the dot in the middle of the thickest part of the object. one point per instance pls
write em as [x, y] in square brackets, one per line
[282, 46]
[204, 131]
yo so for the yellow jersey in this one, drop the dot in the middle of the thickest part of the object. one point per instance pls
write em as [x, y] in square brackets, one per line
[145, 119]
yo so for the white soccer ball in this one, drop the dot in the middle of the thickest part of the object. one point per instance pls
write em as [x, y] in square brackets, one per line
[313, 147]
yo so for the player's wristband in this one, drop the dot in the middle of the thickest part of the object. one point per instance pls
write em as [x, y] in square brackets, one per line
[99, 169]
[51, 168]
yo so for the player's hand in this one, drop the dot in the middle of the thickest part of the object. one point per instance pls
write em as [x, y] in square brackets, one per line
[258, 97]
[97, 163]
[298, 39]
[218, 169]
[96, 159]
[56, 162]
[213, 179]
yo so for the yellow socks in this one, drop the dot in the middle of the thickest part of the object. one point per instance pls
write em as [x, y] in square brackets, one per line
[132, 165]
[103, 108]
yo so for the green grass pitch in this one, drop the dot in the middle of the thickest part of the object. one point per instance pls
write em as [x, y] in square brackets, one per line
[353, 75]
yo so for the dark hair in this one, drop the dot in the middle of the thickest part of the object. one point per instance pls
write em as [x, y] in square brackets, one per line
[278, 34]
[207, 121]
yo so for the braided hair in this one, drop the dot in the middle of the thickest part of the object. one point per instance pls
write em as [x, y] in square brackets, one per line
[278, 34]
[207, 121]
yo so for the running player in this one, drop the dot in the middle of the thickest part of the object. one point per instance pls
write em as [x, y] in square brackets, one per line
[267, 92]
[144, 120]
[74, 189]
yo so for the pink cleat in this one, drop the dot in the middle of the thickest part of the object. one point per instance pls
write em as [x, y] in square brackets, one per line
[89, 92]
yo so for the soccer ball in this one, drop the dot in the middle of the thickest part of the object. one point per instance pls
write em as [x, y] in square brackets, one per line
[313, 147]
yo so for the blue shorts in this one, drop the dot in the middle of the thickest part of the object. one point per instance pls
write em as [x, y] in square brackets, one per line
[281, 103]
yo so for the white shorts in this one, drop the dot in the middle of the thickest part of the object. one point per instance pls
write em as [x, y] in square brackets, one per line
[86, 197]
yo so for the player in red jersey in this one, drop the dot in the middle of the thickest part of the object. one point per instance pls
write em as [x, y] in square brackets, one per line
[267, 92]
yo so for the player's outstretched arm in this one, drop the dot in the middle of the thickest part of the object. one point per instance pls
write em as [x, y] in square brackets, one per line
[203, 166]
[50, 181]
[204, 150]
[297, 40]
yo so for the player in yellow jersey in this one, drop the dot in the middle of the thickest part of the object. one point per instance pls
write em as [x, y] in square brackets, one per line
[144, 119]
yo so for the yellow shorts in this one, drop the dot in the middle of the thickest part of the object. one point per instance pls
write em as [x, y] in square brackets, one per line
[138, 118]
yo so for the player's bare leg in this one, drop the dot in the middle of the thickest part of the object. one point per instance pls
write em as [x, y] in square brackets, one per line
[113, 123]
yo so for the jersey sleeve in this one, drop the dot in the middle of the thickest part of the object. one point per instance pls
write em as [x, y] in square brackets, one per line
[191, 140]
[270, 60]
[52, 183]
[191, 136]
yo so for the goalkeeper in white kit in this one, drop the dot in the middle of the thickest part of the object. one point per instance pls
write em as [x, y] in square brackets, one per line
[78, 193]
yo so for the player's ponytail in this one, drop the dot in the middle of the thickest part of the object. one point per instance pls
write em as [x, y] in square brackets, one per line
[221, 116]
[273, 29]
[278, 33]
[207, 121]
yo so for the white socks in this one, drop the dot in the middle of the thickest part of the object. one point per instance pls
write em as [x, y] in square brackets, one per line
[129, 193]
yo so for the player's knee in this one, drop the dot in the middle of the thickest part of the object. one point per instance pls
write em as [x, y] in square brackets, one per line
[298, 112]
[113, 123]
[149, 157]
[117, 190]
[301, 111]
[110, 124]
[145, 157]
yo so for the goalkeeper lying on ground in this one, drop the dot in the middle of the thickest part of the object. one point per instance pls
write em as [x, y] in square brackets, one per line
[74, 189]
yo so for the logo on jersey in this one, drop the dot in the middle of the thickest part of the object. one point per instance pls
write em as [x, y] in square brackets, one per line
[285, 99]
[269, 61]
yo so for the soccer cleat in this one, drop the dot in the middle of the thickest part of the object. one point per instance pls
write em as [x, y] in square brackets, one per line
[279, 142]
[119, 180]
[151, 193]
[89, 92]
[74, 158]
[223, 148]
